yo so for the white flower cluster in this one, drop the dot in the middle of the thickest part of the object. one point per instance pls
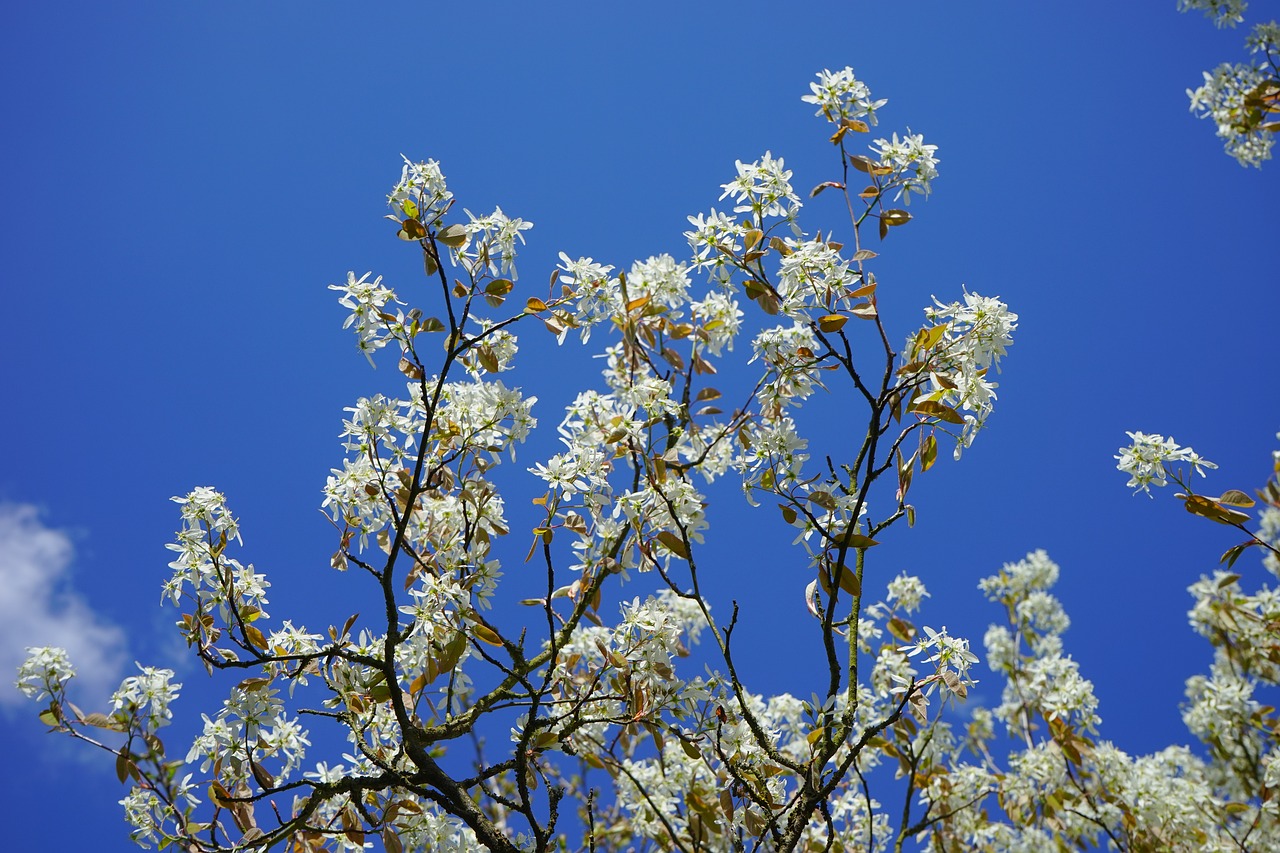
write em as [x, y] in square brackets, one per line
[1044, 683]
[421, 190]
[976, 335]
[912, 161]
[720, 319]
[1225, 13]
[661, 280]
[789, 356]
[147, 697]
[45, 672]
[153, 820]
[949, 654]
[1148, 459]
[491, 243]
[605, 676]
[596, 293]
[840, 95]
[773, 458]
[250, 728]
[813, 276]
[474, 417]
[715, 238]
[907, 592]
[763, 189]
[367, 300]
[202, 570]
[1222, 98]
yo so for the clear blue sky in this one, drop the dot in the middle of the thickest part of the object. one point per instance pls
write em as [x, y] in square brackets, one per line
[182, 180]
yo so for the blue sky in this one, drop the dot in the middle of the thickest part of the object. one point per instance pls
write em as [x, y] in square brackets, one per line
[184, 180]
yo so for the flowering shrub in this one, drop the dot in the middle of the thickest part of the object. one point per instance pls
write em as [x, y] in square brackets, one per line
[611, 739]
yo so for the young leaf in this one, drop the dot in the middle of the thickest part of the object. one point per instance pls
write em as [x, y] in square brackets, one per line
[934, 409]
[1234, 497]
[674, 544]
[928, 452]
[485, 634]
[832, 322]
[453, 236]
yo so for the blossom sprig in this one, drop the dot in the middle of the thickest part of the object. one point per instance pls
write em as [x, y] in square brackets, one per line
[490, 248]
[956, 354]
[1225, 13]
[841, 96]
[367, 301]
[716, 239]
[421, 193]
[45, 672]
[212, 580]
[1226, 97]
[147, 697]
[763, 190]
[911, 163]
[1150, 458]
[1242, 99]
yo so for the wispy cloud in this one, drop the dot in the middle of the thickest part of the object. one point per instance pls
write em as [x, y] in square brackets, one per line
[39, 608]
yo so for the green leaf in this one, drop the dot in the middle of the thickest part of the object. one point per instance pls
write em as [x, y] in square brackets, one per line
[895, 217]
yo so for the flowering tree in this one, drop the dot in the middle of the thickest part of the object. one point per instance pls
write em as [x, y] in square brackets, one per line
[1241, 98]
[610, 741]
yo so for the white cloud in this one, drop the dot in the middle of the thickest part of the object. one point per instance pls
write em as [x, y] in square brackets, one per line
[37, 608]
